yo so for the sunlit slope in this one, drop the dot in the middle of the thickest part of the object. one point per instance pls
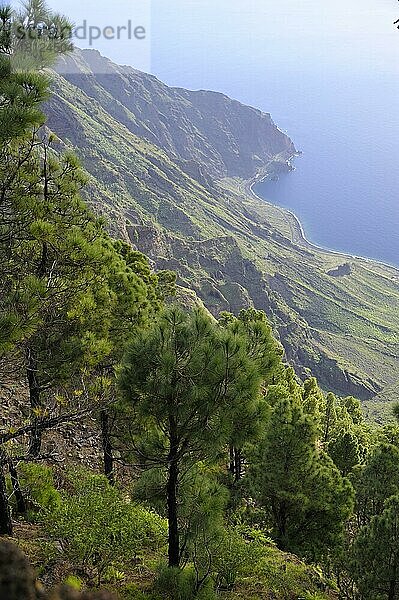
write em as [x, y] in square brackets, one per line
[231, 248]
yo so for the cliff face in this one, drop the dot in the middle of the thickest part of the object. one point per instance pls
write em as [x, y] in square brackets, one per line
[168, 167]
[207, 133]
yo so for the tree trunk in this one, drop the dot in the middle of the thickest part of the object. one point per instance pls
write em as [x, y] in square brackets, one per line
[5, 513]
[392, 590]
[19, 497]
[232, 465]
[35, 441]
[235, 467]
[238, 465]
[173, 478]
[281, 521]
[107, 447]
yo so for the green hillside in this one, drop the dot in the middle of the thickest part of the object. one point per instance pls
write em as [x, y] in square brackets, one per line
[148, 176]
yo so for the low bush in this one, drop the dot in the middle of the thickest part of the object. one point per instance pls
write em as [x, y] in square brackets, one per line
[234, 557]
[181, 584]
[38, 485]
[99, 529]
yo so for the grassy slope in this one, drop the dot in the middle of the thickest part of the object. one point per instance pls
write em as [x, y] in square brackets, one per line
[233, 249]
[354, 318]
[277, 576]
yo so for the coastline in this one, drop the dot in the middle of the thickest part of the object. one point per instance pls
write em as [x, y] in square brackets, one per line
[300, 234]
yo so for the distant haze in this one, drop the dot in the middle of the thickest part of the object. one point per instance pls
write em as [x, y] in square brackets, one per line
[214, 34]
[244, 34]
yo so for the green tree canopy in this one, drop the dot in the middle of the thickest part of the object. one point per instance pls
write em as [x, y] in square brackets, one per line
[375, 555]
[263, 350]
[29, 40]
[182, 380]
[376, 481]
[306, 496]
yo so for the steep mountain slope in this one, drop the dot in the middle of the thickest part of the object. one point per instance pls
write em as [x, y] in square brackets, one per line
[170, 169]
[206, 133]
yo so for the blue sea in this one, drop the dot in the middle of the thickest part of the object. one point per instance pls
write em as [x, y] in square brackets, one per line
[345, 187]
[329, 75]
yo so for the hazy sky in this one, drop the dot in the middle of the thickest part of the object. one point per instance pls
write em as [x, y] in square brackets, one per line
[220, 33]
[306, 33]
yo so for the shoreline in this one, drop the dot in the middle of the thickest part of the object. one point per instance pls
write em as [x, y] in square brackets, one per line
[300, 232]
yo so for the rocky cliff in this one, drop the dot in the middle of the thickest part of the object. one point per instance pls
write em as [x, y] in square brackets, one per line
[208, 134]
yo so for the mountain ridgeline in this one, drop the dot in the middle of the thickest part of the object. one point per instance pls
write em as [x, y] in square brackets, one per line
[171, 170]
[206, 133]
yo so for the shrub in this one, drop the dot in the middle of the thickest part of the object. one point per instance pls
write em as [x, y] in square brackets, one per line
[99, 529]
[130, 591]
[234, 557]
[181, 584]
[37, 483]
[73, 582]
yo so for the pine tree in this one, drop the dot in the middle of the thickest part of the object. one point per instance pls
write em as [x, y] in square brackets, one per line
[376, 481]
[137, 298]
[313, 399]
[29, 41]
[330, 417]
[22, 89]
[181, 382]
[353, 408]
[51, 275]
[345, 451]
[297, 482]
[266, 354]
[375, 555]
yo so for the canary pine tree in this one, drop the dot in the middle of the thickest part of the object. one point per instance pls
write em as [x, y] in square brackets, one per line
[29, 41]
[266, 353]
[182, 380]
[375, 555]
[22, 89]
[297, 483]
[376, 481]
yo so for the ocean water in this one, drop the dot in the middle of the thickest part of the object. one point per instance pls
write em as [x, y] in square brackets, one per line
[345, 187]
[329, 75]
